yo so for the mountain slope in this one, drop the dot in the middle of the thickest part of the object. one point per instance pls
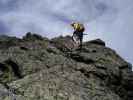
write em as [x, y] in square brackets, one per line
[36, 68]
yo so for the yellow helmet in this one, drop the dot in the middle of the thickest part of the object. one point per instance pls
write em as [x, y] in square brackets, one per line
[78, 26]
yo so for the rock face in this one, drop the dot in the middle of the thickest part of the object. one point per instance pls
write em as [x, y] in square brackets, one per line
[36, 68]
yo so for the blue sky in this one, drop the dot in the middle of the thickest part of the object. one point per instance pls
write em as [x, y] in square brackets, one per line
[110, 20]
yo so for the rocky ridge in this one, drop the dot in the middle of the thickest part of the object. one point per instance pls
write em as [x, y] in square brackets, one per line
[37, 68]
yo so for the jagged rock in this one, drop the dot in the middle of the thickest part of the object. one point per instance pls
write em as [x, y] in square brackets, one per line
[37, 68]
[6, 41]
[63, 43]
[98, 42]
[32, 37]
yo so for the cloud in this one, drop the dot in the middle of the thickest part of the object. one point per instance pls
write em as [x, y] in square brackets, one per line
[110, 20]
[19, 14]
[116, 28]
[3, 27]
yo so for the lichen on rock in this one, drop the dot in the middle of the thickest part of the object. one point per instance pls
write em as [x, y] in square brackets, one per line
[37, 68]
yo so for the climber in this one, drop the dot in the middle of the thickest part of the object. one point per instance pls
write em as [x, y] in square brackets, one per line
[78, 33]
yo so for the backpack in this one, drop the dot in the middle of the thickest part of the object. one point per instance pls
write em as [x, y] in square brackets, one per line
[78, 27]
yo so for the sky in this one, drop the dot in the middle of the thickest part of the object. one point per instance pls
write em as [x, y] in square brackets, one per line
[110, 20]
